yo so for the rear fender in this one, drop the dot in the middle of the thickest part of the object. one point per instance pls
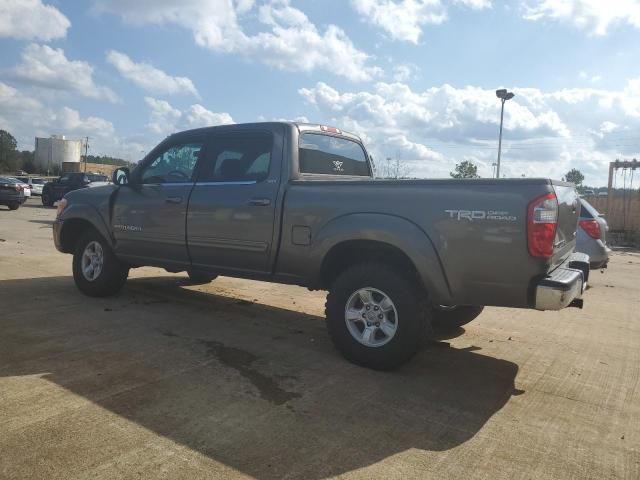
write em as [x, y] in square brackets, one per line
[395, 231]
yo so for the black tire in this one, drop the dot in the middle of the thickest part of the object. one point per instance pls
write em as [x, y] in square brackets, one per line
[46, 200]
[13, 206]
[450, 319]
[112, 276]
[413, 316]
[198, 278]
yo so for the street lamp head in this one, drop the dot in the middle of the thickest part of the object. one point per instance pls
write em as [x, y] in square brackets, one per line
[504, 95]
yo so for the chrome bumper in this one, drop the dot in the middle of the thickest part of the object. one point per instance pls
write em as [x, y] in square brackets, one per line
[564, 286]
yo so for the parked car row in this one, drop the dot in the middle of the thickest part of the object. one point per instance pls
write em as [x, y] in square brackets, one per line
[17, 189]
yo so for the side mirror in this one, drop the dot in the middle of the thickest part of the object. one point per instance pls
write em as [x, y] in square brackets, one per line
[120, 176]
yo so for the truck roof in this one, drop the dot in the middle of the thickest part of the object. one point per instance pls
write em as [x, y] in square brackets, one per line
[301, 126]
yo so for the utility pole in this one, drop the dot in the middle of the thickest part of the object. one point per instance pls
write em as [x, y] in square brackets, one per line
[503, 95]
[86, 151]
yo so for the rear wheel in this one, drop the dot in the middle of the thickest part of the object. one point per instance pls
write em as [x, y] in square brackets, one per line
[46, 200]
[13, 206]
[376, 317]
[96, 270]
[450, 318]
[200, 278]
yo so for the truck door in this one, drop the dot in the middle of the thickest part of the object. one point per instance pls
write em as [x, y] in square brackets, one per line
[149, 214]
[230, 223]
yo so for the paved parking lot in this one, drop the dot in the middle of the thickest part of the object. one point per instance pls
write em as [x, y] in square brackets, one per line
[238, 379]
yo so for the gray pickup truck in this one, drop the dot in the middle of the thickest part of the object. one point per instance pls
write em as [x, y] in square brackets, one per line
[298, 204]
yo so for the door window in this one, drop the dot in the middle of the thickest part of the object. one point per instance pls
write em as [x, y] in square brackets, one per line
[174, 165]
[238, 157]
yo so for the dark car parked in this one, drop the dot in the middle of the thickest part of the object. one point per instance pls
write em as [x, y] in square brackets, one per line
[11, 193]
[54, 191]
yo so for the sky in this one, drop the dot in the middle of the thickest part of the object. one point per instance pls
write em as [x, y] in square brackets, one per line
[416, 79]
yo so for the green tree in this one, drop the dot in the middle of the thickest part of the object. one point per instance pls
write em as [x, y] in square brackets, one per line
[8, 151]
[574, 176]
[465, 169]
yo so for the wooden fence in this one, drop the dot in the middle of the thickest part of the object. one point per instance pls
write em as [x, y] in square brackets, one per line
[625, 210]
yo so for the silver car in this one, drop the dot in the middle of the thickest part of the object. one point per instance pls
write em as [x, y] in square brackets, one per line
[592, 235]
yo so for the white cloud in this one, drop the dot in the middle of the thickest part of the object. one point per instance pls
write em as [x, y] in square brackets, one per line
[148, 77]
[31, 20]
[165, 119]
[404, 19]
[545, 133]
[404, 72]
[49, 68]
[593, 15]
[286, 39]
[26, 118]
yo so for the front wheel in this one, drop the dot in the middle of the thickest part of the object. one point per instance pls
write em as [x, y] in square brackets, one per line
[450, 318]
[46, 200]
[96, 270]
[376, 316]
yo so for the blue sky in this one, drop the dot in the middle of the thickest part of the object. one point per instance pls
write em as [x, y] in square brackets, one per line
[415, 78]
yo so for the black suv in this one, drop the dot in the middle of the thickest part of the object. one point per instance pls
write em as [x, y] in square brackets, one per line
[54, 191]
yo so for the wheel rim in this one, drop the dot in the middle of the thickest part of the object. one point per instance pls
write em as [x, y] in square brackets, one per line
[92, 261]
[371, 317]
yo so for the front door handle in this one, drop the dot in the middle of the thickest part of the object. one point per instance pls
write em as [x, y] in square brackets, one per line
[259, 202]
[173, 200]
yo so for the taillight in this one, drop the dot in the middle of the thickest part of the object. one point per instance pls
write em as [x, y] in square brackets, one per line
[542, 221]
[591, 227]
[18, 188]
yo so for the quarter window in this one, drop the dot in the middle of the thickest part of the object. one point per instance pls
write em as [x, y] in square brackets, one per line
[327, 155]
[174, 165]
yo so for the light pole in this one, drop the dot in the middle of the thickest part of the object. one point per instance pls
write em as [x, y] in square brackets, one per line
[503, 95]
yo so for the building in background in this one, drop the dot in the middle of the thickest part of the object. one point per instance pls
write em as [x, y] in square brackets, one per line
[57, 154]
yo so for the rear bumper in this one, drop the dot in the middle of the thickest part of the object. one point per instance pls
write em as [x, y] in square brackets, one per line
[565, 285]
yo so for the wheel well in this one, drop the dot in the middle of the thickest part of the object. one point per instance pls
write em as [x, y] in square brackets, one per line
[346, 254]
[71, 232]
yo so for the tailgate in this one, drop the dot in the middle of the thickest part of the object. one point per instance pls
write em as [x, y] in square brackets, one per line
[568, 216]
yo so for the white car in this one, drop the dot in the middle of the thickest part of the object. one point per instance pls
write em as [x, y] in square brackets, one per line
[35, 182]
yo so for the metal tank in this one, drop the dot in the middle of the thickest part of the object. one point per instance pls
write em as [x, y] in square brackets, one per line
[57, 151]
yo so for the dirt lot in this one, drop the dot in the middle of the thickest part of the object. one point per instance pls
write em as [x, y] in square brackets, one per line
[238, 379]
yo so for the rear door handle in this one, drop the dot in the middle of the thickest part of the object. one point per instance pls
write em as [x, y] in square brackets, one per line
[259, 202]
[173, 200]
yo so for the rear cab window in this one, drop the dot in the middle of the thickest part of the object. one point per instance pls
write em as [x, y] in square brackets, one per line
[321, 154]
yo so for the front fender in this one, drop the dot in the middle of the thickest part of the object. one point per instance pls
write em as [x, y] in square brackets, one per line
[73, 214]
[393, 230]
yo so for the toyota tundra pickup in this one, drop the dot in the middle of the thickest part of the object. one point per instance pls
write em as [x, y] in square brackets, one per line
[299, 204]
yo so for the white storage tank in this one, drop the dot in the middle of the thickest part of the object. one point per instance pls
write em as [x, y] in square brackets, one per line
[56, 151]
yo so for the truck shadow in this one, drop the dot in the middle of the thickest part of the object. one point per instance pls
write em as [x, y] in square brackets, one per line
[257, 388]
